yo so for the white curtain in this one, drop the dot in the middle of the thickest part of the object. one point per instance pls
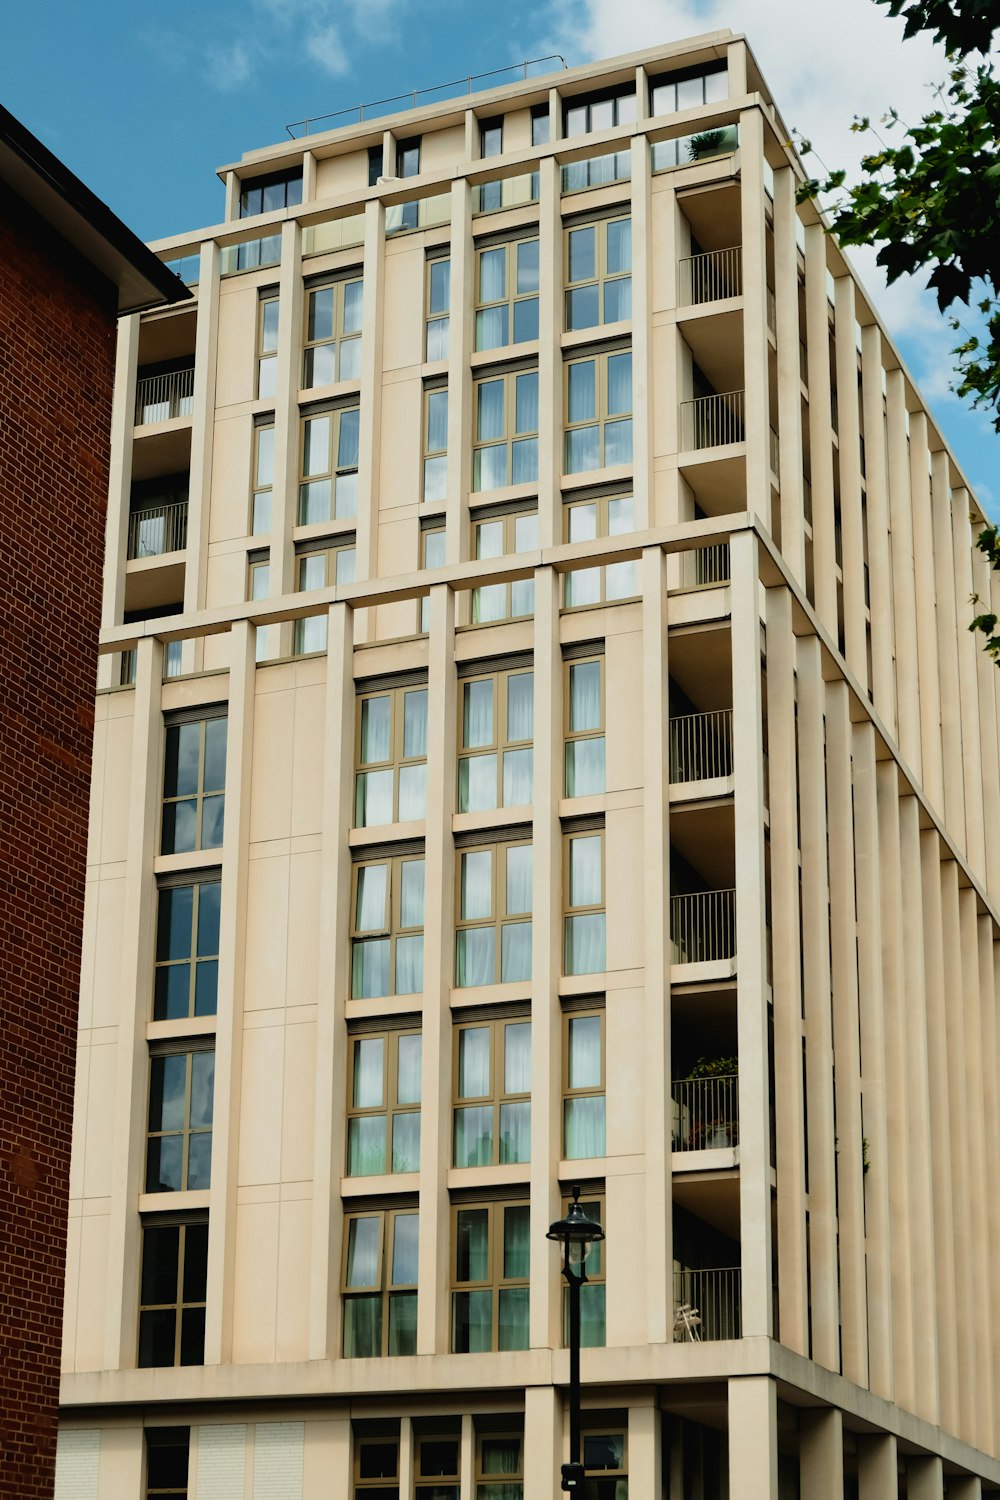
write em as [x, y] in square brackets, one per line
[517, 1057]
[474, 1062]
[519, 879]
[372, 882]
[477, 714]
[493, 274]
[477, 885]
[526, 403]
[375, 720]
[408, 1062]
[584, 696]
[369, 1070]
[415, 723]
[619, 383]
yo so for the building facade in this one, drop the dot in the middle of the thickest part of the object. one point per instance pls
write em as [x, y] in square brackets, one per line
[67, 267]
[537, 742]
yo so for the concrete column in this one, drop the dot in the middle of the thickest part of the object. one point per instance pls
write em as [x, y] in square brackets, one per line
[407, 1453]
[435, 1132]
[308, 176]
[645, 1450]
[333, 964]
[229, 1021]
[966, 1487]
[120, 473]
[550, 397]
[820, 429]
[736, 60]
[786, 298]
[755, 343]
[877, 508]
[789, 1097]
[975, 1172]
[467, 1457]
[877, 1468]
[903, 583]
[753, 1438]
[990, 1300]
[202, 445]
[656, 928]
[926, 613]
[948, 633]
[642, 333]
[327, 1459]
[968, 672]
[460, 413]
[849, 453]
[821, 1454]
[138, 917]
[542, 1441]
[989, 734]
[924, 1479]
[751, 947]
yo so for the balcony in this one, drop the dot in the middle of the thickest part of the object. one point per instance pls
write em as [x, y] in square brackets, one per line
[505, 192]
[707, 1304]
[714, 276]
[161, 398]
[713, 421]
[703, 927]
[596, 171]
[705, 567]
[701, 745]
[418, 213]
[158, 530]
[706, 1113]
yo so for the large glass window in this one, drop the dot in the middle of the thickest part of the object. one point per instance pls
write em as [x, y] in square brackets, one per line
[493, 936]
[263, 479]
[505, 444]
[333, 333]
[264, 195]
[605, 1462]
[186, 976]
[380, 1283]
[583, 1085]
[408, 157]
[603, 515]
[592, 1294]
[328, 485]
[387, 949]
[584, 933]
[584, 727]
[318, 569]
[491, 136]
[495, 734]
[598, 273]
[598, 412]
[436, 1468]
[438, 294]
[587, 114]
[539, 124]
[376, 1468]
[391, 756]
[172, 1293]
[492, 1120]
[507, 294]
[179, 1140]
[491, 1262]
[167, 1458]
[499, 1467]
[498, 536]
[267, 347]
[383, 1117]
[436, 443]
[687, 91]
[432, 555]
[194, 786]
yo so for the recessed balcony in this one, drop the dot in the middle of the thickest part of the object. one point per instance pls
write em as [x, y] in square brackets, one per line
[707, 1304]
[712, 276]
[706, 1113]
[703, 927]
[701, 747]
[157, 530]
[164, 397]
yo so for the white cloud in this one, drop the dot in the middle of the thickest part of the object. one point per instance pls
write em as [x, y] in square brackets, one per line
[326, 48]
[230, 66]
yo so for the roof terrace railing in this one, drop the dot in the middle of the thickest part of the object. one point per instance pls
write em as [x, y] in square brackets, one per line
[473, 83]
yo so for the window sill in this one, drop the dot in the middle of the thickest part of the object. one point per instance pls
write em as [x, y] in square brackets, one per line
[379, 1184]
[195, 860]
[336, 391]
[600, 333]
[483, 357]
[385, 833]
[465, 996]
[484, 1178]
[490, 820]
[610, 474]
[160, 1203]
[184, 1026]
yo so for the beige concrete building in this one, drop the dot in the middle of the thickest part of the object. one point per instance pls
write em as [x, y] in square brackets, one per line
[538, 742]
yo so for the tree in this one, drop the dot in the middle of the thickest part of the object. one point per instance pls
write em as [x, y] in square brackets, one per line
[931, 199]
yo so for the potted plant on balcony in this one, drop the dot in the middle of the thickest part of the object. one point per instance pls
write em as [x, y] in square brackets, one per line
[714, 1128]
[708, 143]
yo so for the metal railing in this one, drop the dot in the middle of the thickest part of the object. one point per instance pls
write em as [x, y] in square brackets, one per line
[711, 277]
[160, 397]
[701, 745]
[706, 1113]
[355, 113]
[505, 192]
[707, 1305]
[160, 529]
[712, 421]
[705, 567]
[703, 927]
[596, 171]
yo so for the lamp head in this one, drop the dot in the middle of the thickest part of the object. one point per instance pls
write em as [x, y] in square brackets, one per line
[576, 1233]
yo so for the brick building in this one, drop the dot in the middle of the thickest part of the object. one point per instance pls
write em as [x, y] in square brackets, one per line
[68, 269]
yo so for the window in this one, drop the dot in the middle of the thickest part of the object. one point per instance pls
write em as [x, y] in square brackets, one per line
[264, 195]
[493, 1094]
[493, 937]
[167, 1452]
[259, 587]
[391, 786]
[329, 482]
[583, 116]
[498, 537]
[380, 1283]
[333, 333]
[492, 1260]
[437, 1460]
[491, 137]
[187, 951]
[263, 479]
[605, 1462]
[387, 951]
[436, 444]
[432, 547]
[408, 157]
[438, 292]
[375, 1461]
[375, 165]
[495, 754]
[606, 515]
[499, 1468]
[598, 412]
[505, 448]
[584, 919]
[383, 1117]
[507, 294]
[592, 1294]
[584, 727]
[319, 570]
[540, 124]
[179, 1140]
[583, 1085]
[598, 274]
[687, 91]
[194, 782]
[267, 347]
[172, 1293]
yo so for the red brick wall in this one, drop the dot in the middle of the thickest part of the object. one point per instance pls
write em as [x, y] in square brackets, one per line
[57, 339]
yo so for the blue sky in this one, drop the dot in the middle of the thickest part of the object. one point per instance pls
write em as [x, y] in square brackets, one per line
[145, 102]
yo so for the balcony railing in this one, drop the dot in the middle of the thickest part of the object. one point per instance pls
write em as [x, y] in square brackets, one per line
[333, 234]
[505, 192]
[418, 213]
[706, 1113]
[158, 398]
[705, 567]
[707, 1305]
[703, 927]
[712, 421]
[160, 529]
[685, 150]
[711, 277]
[596, 171]
[250, 255]
[701, 746]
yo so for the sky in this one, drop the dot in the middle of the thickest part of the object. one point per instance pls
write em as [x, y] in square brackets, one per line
[145, 102]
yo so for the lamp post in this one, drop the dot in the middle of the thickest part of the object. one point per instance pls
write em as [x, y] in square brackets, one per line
[576, 1233]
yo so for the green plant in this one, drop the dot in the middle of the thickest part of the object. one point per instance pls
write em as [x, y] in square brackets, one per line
[866, 1159]
[714, 1067]
[706, 143]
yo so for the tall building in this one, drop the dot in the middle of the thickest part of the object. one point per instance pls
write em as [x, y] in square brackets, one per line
[68, 267]
[538, 742]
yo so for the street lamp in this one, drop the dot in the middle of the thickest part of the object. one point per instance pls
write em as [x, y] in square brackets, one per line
[576, 1233]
